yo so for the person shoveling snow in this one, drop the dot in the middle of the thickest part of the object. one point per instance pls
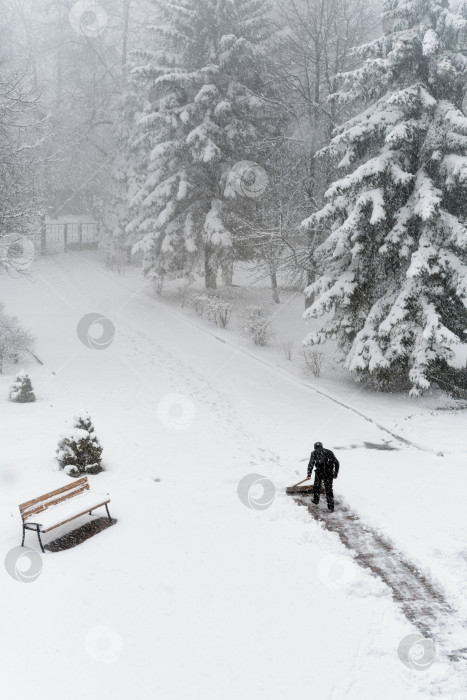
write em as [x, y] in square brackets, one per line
[326, 469]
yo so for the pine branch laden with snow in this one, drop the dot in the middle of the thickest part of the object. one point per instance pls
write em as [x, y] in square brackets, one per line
[394, 266]
[203, 112]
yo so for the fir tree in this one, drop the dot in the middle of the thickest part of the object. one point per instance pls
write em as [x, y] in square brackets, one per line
[206, 109]
[393, 268]
[21, 390]
[79, 452]
[125, 181]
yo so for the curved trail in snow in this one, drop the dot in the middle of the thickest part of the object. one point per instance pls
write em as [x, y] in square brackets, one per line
[421, 601]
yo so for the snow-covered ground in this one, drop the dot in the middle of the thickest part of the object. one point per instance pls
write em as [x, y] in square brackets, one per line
[192, 594]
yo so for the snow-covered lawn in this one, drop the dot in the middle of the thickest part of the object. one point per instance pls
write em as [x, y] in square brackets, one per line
[192, 594]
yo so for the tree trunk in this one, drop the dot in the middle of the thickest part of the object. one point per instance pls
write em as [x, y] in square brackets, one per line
[126, 21]
[274, 287]
[227, 272]
[210, 269]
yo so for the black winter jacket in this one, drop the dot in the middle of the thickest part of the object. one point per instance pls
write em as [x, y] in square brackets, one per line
[325, 463]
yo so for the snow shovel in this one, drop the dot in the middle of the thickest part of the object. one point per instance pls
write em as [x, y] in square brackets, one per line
[298, 490]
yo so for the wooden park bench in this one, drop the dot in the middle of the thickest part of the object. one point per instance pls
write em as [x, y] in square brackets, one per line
[59, 507]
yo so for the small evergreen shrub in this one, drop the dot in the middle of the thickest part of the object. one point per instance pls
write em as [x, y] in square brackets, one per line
[79, 451]
[257, 324]
[21, 390]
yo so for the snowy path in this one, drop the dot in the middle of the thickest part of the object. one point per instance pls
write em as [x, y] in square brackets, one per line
[422, 602]
[207, 597]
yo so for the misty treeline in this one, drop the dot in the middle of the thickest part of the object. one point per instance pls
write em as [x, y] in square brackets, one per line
[324, 142]
[85, 118]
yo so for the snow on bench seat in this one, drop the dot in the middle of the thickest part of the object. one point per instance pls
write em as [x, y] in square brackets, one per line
[58, 507]
[55, 515]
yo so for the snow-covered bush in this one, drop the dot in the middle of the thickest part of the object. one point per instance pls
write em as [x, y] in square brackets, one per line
[314, 360]
[14, 340]
[213, 308]
[184, 293]
[199, 302]
[219, 311]
[257, 324]
[21, 390]
[116, 260]
[79, 451]
[285, 347]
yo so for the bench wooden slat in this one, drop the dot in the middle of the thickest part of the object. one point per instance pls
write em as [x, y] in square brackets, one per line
[47, 504]
[37, 505]
[68, 487]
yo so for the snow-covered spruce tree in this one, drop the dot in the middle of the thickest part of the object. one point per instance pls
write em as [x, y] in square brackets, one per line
[393, 272]
[79, 451]
[125, 181]
[21, 390]
[206, 90]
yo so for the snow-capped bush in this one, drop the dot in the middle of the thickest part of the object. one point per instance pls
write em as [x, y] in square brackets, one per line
[314, 360]
[79, 451]
[285, 347]
[185, 293]
[219, 311]
[14, 340]
[199, 303]
[21, 390]
[213, 308]
[257, 324]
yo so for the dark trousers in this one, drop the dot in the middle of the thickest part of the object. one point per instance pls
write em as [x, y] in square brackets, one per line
[327, 481]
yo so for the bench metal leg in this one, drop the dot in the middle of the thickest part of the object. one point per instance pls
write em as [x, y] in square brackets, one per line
[39, 537]
[107, 511]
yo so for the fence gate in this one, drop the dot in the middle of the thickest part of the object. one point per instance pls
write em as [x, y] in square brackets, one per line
[60, 237]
